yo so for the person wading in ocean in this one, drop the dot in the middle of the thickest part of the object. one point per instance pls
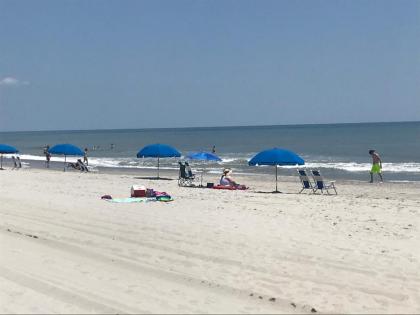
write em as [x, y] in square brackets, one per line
[376, 165]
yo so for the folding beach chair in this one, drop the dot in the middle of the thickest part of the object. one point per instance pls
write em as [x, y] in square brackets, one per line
[184, 179]
[304, 179]
[320, 184]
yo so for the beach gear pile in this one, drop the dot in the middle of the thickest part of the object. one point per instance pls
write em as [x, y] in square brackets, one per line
[140, 194]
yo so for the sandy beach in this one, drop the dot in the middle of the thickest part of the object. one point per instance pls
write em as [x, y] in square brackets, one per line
[64, 250]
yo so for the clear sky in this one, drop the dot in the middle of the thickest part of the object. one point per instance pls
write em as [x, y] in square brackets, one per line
[139, 64]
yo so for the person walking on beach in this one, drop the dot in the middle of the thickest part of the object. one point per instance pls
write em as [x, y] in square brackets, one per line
[14, 162]
[85, 158]
[213, 150]
[47, 156]
[19, 162]
[376, 165]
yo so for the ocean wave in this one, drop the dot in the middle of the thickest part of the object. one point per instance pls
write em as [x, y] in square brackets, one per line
[410, 167]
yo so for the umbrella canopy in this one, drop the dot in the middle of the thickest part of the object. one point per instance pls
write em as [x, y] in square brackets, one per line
[276, 156]
[6, 149]
[158, 151]
[203, 156]
[65, 149]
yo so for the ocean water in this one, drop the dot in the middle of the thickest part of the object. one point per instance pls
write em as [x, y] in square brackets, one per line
[338, 150]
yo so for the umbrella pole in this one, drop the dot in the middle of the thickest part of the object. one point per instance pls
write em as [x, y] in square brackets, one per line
[64, 169]
[1, 166]
[158, 168]
[276, 191]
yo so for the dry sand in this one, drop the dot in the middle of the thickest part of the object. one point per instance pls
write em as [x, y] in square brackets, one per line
[64, 250]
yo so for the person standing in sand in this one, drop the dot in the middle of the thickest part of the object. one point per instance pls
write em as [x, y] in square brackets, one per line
[376, 165]
[85, 157]
[47, 156]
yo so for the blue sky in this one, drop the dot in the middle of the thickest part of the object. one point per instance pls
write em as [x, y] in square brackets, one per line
[140, 64]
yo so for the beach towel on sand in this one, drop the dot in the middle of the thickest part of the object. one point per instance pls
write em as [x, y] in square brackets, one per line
[230, 187]
[163, 198]
[130, 200]
[157, 196]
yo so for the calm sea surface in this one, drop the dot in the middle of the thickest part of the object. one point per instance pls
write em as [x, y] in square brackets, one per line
[339, 150]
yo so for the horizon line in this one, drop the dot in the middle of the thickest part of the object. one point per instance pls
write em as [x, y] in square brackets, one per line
[219, 127]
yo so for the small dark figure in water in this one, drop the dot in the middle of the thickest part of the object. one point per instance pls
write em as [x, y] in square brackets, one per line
[376, 165]
[112, 146]
[214, 149]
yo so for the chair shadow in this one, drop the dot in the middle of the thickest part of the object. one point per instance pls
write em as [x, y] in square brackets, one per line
[154, 178]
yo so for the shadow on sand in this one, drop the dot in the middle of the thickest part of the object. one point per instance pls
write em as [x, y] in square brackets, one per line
[154, 178]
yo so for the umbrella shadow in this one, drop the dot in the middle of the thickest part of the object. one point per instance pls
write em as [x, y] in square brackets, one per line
[276, 192]
[154, 178]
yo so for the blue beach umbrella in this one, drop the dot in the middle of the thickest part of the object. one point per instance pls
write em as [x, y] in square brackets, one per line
[158, 151]
[203, 156]
[65, 149]
[276, 157]
[6, 149]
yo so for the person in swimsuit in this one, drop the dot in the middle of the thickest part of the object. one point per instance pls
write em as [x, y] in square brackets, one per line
[376, 165]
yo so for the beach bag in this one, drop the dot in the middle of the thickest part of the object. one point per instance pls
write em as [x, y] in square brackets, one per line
[150, 193]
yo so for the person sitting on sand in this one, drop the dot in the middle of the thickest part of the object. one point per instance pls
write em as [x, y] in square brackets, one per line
[188, 170]
[78, 166]
[226, 179]
[82, 166]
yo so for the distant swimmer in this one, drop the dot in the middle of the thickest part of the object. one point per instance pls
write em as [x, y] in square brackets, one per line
[112, 146]
[376, 165]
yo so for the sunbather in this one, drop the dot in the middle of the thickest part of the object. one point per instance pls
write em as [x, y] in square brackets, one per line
[226, 179]
[78, 166]
[188, 170]
[82, 166]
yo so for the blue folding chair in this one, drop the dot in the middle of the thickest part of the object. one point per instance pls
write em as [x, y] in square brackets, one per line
[304, 179]
[320, 184]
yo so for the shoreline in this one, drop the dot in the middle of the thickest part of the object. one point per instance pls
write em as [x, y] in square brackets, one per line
[173, 171]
